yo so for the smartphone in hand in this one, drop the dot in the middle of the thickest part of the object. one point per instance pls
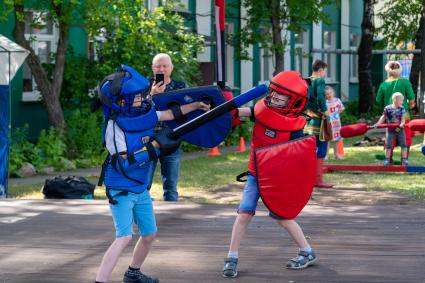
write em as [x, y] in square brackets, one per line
[159, 78]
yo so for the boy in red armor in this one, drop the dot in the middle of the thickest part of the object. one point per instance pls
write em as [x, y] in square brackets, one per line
[277, 121]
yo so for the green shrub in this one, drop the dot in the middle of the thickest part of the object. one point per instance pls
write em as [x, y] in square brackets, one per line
[244, 130]
[187, 147]
[52, 148]
[83, 135]
[81, 76]
[21, 151]
[351, 113]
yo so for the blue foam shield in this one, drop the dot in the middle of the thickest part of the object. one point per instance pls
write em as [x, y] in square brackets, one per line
[208, 135]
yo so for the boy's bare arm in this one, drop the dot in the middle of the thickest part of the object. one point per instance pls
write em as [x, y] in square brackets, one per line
[380, 121]
[402, 123]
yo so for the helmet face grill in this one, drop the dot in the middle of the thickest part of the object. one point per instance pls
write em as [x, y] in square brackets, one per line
[291, 85]
[278, 100]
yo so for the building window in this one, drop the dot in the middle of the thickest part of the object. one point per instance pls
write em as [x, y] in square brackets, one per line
[43, 37]
[152, 4]
[266, 64]
[301, 53]
[329, 42]
[183, 5]
[354, 58]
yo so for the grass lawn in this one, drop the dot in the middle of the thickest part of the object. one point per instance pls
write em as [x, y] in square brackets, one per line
[212, 179]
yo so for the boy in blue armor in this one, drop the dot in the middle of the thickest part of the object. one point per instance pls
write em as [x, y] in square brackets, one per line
[129, 138]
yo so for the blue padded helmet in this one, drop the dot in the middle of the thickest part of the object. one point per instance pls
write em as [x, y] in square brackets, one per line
[117, 92]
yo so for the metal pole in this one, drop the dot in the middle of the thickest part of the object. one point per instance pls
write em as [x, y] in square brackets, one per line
[9, 128]
[422, 78]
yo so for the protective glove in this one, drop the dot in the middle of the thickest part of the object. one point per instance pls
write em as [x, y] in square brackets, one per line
[167, 145]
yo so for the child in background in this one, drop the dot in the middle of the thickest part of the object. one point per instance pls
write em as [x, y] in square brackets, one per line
[394, 113]
[335, 107]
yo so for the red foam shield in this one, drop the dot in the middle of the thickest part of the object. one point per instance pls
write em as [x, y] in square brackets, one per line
[286, 175]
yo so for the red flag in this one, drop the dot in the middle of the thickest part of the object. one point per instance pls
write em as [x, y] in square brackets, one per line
[221, 5]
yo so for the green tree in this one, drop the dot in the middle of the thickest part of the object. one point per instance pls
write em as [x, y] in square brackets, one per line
[123, 31]
[61, 14]
[267, 19]
[128, 33]
[403, 22]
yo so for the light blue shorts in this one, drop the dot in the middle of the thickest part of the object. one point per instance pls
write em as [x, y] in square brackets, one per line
[133, 208]
[250, 196]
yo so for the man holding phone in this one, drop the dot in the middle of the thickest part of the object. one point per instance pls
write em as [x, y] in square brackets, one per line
[162, 67]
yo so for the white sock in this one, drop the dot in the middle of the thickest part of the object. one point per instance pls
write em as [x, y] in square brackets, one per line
[306, 249]
[232, 254]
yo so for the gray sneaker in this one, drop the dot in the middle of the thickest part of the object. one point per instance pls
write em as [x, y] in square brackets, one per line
[230, 268]
[136, 276]
[302, 260]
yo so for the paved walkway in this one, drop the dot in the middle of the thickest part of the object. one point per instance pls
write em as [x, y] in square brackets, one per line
[63, 241]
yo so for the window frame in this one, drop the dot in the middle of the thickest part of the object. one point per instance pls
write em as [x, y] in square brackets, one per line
[354, 63]
[330, 58]
[303, 47]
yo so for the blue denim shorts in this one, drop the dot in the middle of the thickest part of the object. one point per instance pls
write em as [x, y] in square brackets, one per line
[133, 208]
[250, 196]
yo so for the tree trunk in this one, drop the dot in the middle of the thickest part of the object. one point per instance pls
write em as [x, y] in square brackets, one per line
[50, 92]
[366, 94]
[278, 47]
[416, 62]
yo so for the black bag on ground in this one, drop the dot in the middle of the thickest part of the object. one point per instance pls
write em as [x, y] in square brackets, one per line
[68, 187]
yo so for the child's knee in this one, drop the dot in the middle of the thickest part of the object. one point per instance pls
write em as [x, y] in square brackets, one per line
[244, 218]
[125, 240]
[285, 222]
[148, 238]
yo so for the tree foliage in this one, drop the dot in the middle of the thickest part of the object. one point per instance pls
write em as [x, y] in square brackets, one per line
[267, 19]
[400, 21]
[123, 32]
[60, 13]
[128, 33]
[403, 22]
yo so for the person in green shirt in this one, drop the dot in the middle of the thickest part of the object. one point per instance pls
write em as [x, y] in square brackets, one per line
[393, 84]
[317, 112]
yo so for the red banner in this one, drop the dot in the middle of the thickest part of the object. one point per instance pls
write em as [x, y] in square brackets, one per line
[221, 5]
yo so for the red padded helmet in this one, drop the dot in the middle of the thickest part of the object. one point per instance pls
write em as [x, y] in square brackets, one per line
[291, 84]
